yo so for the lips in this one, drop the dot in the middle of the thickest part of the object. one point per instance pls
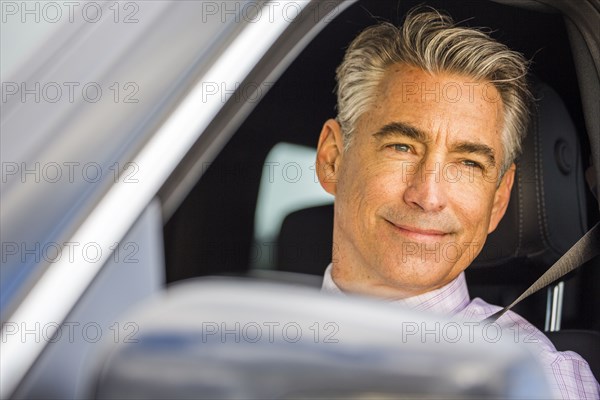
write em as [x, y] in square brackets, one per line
[418, 233]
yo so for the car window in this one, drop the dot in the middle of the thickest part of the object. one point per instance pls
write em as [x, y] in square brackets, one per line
[230, 222]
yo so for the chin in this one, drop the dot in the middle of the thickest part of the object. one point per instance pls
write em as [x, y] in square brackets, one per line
[418, 276]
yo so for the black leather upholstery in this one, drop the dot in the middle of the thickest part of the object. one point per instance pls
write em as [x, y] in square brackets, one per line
[305, 240]
[547, 213]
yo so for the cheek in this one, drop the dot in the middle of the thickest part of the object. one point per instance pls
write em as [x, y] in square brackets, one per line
[472, 205]
[364, 189]
[382, 187]
[350, 193]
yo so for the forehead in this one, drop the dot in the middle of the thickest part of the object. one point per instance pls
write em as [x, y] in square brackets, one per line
[443, 103]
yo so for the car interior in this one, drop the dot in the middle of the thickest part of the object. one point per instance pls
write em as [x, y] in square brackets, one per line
[212, 232]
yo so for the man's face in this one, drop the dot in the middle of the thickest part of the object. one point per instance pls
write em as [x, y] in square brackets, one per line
[417, 191]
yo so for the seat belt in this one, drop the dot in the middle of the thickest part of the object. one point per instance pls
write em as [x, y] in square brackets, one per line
[581, 252]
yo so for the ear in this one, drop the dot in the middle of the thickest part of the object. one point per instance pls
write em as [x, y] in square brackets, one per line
[329, 155]
[502, 197]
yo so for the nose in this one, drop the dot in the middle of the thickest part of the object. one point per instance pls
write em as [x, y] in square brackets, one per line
[425, 186]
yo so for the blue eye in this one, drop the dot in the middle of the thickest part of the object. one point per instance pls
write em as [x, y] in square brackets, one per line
[404, 148]
[472, 164]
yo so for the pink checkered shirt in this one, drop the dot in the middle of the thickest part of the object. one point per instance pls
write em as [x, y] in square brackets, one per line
[568, 373]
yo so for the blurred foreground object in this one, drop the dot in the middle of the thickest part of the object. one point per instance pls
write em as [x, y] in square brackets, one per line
[234, 338]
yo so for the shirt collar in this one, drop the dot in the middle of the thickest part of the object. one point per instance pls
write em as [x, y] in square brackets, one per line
[447, 300]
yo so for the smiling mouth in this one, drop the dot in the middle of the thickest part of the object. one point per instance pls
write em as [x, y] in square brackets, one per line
[418, 233]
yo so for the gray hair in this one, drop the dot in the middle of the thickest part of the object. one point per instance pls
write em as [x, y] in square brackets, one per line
[432, 42]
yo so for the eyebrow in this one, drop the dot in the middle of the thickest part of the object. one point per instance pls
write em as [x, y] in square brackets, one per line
[476, 148]
[402, 129]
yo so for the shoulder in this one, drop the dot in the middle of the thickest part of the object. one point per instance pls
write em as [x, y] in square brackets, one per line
[510, 325]
[567, 372]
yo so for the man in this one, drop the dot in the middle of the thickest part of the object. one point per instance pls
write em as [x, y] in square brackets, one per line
[420, 159]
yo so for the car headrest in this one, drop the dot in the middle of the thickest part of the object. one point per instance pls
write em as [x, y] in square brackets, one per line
[547, 211]
[546, 214]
